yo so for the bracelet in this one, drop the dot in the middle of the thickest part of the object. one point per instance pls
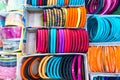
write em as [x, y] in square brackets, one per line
[53, 41]
[35, 76]
[73, 68]
[34, 2]
[23, 68]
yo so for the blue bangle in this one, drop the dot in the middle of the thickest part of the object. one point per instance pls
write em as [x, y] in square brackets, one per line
[53, 41]
[58, 2]
[34, 2]
[94, 28]
[112, 32]
[51, 68]
[107, 29]
[61, 2]
[48, 67]
[29, 2]
[56, 67]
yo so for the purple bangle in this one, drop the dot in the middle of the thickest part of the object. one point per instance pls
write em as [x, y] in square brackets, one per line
[61, 43]
[107, 4]
[114, 6]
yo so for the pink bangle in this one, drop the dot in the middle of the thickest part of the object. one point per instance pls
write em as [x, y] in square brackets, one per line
[73, 68]
[79, 68]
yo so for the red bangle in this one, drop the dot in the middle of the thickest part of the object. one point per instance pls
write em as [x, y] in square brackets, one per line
[57, 43]
[38, 42]
[76, 40]
[80, 41]
[66, 39]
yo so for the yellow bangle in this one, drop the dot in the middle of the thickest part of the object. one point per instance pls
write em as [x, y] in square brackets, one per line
[40, 67]
[65, 16]
[44, 67]
[79, 17]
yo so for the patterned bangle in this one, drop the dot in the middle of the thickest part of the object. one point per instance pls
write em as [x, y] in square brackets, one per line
[47, 17]
[60, 12]
[55, 15]
[53, 18]
[63, 16]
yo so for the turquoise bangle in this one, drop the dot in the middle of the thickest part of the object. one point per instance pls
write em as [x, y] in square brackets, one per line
[116, 28]
[53, 41]
[56, 68]
[48, 67]
[34, 2]
[113, 30]
[51, 67]
[107, 29]
[94, 24]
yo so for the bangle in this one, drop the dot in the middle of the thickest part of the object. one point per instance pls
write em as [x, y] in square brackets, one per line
[48, 18]
[53, 41]
[34, 2]
[55, 14]
[79, 17]
[68, 41]
[44, 67]
[73, 68]
[40, 67]
[79, 67]
[23, 68]
[63, 16]
[45, 17]
[35, 76]
[57, 42]
[67, 17]
[68, 69]
[66, 2]
[29, 2]
[53, 18]
[61, 44]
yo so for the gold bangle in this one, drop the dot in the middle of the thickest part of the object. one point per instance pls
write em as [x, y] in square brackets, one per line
[79, 17]
[44, 67]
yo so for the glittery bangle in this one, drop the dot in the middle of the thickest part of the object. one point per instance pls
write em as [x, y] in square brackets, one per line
[53, 18]
[63, 16]
[60, 12]
[55, 15]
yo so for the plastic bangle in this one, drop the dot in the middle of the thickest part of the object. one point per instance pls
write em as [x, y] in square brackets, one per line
[34, 2]
[44, 67]
[61, 44]
[63, 17]
[79, 16]
[40, 67]
[23, 68]
[53, 41]
[73, 66]
[35, 76]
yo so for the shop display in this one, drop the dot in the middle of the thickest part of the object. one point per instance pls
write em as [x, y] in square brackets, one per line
[103, 28]
[54, 2]
[53, 67]
[62, 40]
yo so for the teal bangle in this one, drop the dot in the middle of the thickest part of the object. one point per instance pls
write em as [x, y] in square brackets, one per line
[48, 67]
[51, 68]
[53, 40]
[34, 2]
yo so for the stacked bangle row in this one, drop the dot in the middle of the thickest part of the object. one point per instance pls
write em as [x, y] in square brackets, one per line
[102, 6]
[104, 59]
[62, 40]
[65, 17]
[55, 2]
[52, 67]
[109, 31]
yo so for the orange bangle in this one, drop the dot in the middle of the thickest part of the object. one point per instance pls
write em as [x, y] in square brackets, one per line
[70, 18]
[76, 17]
[83, 17]
[30, 68]
[67, 17]
[23, 67]
[118, 59]
[66, 2]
